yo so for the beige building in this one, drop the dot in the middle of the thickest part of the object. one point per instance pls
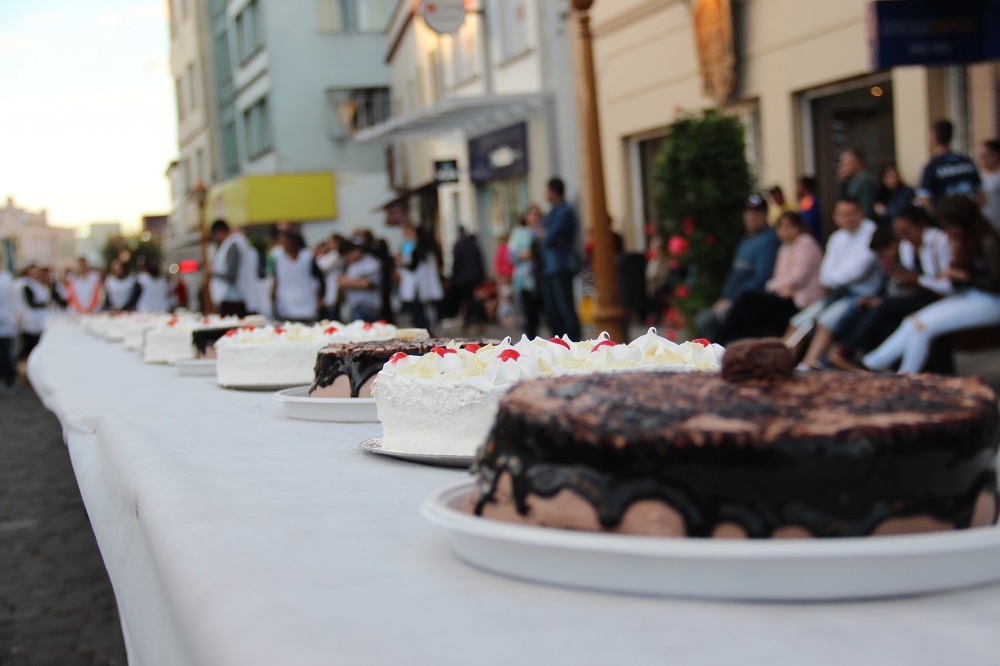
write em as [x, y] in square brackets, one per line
[804, 88]
[28, 238]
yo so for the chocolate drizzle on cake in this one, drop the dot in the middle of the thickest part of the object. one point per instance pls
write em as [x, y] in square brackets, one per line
[834, 454]
[205, 338]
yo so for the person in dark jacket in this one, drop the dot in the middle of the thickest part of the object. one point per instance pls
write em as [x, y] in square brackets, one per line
[467, 273]
[558, 240]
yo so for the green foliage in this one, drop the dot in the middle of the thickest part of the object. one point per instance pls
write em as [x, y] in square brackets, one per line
[132, 250]
[702, 180]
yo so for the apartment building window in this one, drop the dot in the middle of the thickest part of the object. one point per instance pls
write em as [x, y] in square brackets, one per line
[192, 88]
[464, 52]
[357, 109]
[230, 150]
[514, 32]
[353, 15]
[257, 125]
[249, 37]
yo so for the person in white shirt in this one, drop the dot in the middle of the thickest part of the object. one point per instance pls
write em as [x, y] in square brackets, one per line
[84, 289]
[234, 282]
[361, 283]
[849, 271]
[36, 303]
[988, 157]
[8, 331]
[153, 291]
[332, 266]
[118, 288]
[299, 285]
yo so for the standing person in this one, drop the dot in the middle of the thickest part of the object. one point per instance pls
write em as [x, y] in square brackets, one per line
[989, 174]
[8, 330]
[893, 195]
[779, 205]
[948, 173]
[856, 182]
[809, 207]
[299, 284]
[118, 287]
[332, 266]
[407, 288]
[424, 263]
[753, 265]
[467, 273]
[233, 277]
[523, 250]
[36, 302]
[153, 290]
[361, 283]
[558, 238]
[503, 269]
[975, 278]
[84, 292]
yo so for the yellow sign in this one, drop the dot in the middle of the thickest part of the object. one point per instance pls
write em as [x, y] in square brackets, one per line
[713, 30]
[293, 197]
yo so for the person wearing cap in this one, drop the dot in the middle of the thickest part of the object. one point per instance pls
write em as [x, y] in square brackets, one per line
[753, 264]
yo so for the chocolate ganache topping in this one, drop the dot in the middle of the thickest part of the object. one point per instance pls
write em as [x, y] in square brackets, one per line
[828, 454]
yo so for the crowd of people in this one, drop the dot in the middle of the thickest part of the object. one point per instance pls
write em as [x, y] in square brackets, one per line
[903, 267]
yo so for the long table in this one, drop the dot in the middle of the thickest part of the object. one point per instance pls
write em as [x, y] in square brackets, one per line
[235, 536]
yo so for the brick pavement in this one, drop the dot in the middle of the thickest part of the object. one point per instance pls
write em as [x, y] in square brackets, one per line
[56, 603]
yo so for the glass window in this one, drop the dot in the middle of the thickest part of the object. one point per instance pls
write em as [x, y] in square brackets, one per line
[357, 109]
[230, 151]
[249, 38]
[514, 30]
[257, 125]
[353, 15]
[464, 52]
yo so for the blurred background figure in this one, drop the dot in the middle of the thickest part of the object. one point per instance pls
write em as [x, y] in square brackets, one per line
[35, 306]
[8, 330]
[84, 289]
[118, 287]
[467, 273]
[331, 265]
[420, 288]
[854, 181]
[893, 195]
[523, 252]
[779, 205]
[809, 207]
[153, 292]
[503, 270]
[361, 283]
[299, 284]
[989, 173]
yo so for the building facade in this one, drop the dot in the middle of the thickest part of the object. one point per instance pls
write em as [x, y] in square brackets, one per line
[482, 117]
[802, 82]
[26, 238]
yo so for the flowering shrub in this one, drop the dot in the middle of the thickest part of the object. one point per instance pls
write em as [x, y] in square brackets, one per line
[702, 180]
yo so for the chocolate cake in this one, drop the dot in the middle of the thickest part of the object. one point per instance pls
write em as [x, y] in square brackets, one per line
[205, 339]
[757, 451]
[355, 364]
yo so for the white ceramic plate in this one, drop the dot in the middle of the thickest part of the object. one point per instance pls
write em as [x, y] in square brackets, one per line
[202, 367]
[374, 445]
[755, 570]
[298, 405]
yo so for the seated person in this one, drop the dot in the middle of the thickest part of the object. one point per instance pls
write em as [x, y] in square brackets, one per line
[795, 285]
[753, 264]
[915, 257]
[975, 302]
[849, 271]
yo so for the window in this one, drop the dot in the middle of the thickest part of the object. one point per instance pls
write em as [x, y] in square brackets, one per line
[230, 151]
[513, 28]
[192, 89]
[353, 15]
[257, 125]
[437, 75]
[464, 52]
[179, 96]
[249, 38]
[357, 109]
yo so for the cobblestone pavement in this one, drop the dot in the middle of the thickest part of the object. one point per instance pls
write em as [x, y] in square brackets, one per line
[56, 603]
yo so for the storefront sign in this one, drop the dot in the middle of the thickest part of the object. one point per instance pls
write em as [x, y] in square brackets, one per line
[446, 171]
[499, 155]
[930, 32]
[713, 31]
[443, 16]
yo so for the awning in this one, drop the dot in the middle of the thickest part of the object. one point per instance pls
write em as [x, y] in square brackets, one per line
[402, 196]
[296, 197]
[457, 113]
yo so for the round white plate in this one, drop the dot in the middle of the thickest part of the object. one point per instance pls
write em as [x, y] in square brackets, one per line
[751, 570]
[298, 405]
[202, 367]
[374, 445]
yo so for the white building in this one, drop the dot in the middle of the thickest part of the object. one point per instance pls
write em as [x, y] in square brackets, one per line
[26, 238]
[482, 117]
[286, 83]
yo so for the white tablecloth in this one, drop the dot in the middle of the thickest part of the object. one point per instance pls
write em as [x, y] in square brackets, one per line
[235, 536]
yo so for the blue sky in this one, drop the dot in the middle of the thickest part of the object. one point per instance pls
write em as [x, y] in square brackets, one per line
[87, 120]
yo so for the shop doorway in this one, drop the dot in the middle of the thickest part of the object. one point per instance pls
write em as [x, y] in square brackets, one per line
[856, 114]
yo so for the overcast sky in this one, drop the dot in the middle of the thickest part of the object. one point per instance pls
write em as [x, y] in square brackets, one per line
[87, 120]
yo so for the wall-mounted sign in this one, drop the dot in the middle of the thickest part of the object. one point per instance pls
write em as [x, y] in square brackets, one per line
[928, 32]
[446, 171]
[498, 155]
[713, 32]
[443, 16]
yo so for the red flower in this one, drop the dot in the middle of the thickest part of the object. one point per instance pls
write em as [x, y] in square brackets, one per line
[682, 291]
[509, 355]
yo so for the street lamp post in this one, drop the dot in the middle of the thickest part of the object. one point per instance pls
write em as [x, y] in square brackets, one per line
[608, 313]
[200, 194]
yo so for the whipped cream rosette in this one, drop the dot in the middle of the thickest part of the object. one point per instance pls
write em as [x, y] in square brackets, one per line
[284, 355]
[444, 402]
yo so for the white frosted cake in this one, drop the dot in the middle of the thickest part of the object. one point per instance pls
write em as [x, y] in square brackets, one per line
[282, 356]
[139, 323]
[444, 402]
[172, 340]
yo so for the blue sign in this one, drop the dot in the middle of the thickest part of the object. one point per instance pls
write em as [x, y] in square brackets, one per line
[931, 32]
[499, 155]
